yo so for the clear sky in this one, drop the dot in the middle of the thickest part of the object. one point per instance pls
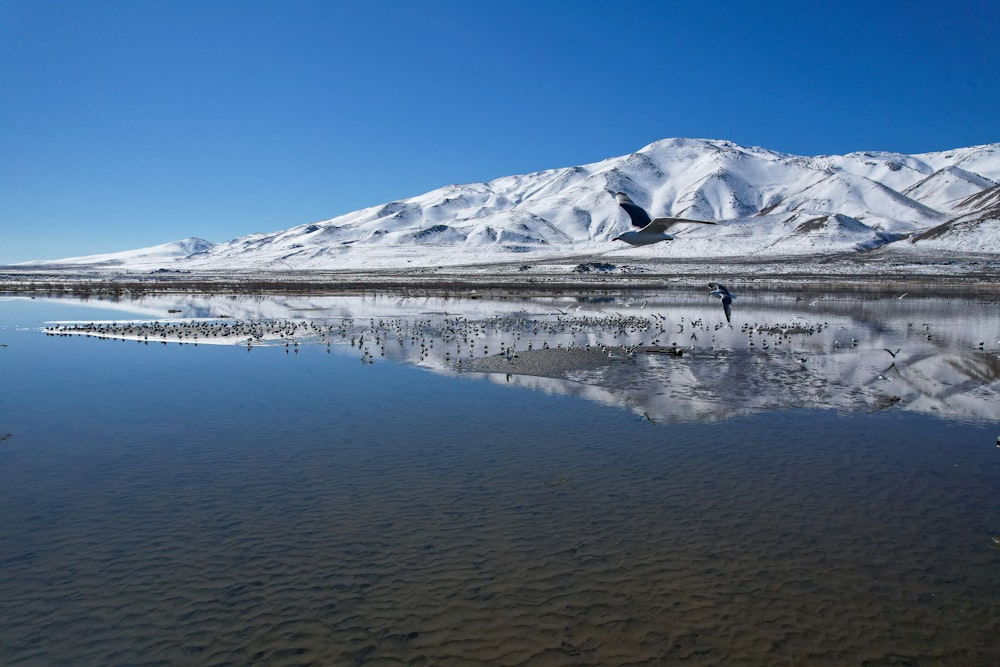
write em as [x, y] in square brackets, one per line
[129, 123]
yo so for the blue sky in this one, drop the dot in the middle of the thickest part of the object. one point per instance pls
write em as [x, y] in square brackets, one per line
[125, 124]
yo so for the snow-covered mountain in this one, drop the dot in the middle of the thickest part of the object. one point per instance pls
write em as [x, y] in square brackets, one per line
[766, 203]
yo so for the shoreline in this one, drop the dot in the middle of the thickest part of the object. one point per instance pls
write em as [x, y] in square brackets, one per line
[872, 272]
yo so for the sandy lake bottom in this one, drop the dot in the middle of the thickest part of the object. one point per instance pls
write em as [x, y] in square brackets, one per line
[182, 504]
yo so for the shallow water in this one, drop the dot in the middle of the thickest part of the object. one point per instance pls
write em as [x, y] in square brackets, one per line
[182, 504]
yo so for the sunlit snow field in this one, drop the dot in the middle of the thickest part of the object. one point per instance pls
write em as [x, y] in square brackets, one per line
[493, 481]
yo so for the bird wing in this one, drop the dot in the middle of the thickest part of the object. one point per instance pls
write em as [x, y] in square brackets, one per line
[719, 291]
[663, 224]
[637, 213]
[727, 306]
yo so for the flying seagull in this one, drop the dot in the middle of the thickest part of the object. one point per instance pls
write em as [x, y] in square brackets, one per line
[650, 230]
[727, 298]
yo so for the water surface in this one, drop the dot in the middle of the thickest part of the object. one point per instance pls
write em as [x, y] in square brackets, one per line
[183, 504]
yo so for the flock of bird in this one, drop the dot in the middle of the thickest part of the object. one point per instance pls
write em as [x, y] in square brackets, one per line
[514, 342]
[191, 331]
[455, 340]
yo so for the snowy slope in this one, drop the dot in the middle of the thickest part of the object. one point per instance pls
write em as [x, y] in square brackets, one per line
[164, 255]
[766, 203]
[975, 225]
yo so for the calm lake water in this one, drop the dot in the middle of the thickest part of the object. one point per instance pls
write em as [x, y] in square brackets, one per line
[817, 484]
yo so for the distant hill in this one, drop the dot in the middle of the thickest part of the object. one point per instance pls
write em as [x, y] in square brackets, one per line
[766, 203]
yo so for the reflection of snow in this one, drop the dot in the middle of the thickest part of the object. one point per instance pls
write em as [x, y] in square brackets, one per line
[828, 353]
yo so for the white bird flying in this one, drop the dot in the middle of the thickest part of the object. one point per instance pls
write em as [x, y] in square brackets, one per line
[650, 230]
[727, 298]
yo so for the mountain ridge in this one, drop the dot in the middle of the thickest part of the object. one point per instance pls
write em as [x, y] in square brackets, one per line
[764, 202]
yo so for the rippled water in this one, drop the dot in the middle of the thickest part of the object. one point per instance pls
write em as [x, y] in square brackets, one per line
[182, 504]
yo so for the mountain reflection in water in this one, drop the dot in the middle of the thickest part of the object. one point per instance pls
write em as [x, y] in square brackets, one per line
[303, 499]
[667, 357]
